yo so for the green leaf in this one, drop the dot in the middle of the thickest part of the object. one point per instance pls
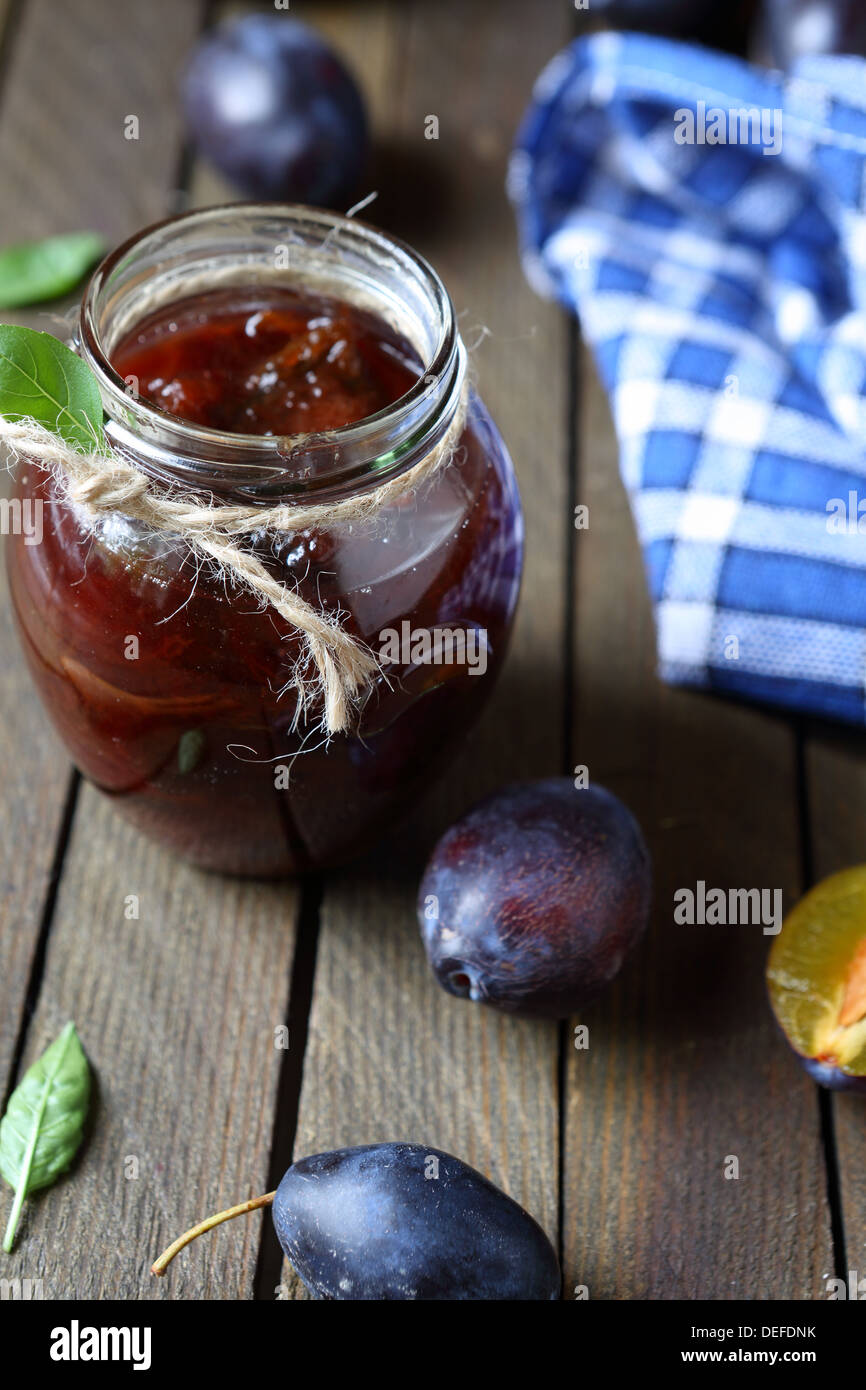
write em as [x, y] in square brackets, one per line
[190, 749]
[42, 1127]
[36, 270]
[41, 379]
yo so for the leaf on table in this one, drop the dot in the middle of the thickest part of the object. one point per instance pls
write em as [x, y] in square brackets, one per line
[43, 1124]
[33, 271]
[43, 380]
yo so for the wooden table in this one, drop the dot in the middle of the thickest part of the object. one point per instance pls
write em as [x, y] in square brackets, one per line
[620, 1151]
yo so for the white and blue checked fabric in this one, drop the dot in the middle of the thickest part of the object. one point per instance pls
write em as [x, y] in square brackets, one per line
[723, 291]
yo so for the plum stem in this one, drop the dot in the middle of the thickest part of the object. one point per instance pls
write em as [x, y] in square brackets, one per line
[161, 1265]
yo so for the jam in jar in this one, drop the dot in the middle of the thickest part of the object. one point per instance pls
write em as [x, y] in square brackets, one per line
[264, 355]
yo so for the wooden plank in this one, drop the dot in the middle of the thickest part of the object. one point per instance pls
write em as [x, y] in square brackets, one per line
[79, 71]
[685, 1066]
[4, 20]
[836, 780]
[74, 74]
[52, 182]
[177, 1010]
[389, 1055]
[36, 774]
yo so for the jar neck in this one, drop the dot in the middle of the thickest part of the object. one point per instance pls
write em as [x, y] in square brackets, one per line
[269, 245]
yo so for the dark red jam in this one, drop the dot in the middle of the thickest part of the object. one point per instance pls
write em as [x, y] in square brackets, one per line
[173, 691]
[271, 364]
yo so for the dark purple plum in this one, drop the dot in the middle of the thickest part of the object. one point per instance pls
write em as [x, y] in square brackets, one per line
[274, 108]
[401, 1221]
[717, 23]
[795, 28]
[531, 902]
[672, 16]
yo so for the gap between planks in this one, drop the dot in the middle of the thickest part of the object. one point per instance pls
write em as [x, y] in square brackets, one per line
[178, 1011]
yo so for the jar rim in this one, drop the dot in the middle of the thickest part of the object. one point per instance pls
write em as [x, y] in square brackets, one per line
[365, 450]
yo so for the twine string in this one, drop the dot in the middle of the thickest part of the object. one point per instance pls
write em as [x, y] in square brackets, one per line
[106, 483]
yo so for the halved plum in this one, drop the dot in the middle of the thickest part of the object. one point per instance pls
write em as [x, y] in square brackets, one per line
[816, 975]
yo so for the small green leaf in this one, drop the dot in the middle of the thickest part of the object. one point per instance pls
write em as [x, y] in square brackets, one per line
[190, 750]
[42, 1127]
[42, 379]
[33, 271]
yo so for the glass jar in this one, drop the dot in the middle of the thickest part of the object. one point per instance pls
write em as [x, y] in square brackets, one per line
[171, 688]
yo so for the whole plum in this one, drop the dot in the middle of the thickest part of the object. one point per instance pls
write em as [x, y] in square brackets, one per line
[721, 24]
[401, 1221]
[797, 28]
[273, 107]
[531, 902]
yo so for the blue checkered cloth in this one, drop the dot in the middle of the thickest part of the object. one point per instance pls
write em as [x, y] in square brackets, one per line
[723, 292]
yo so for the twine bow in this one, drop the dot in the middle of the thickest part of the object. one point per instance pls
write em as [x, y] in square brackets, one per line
[100, 484]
